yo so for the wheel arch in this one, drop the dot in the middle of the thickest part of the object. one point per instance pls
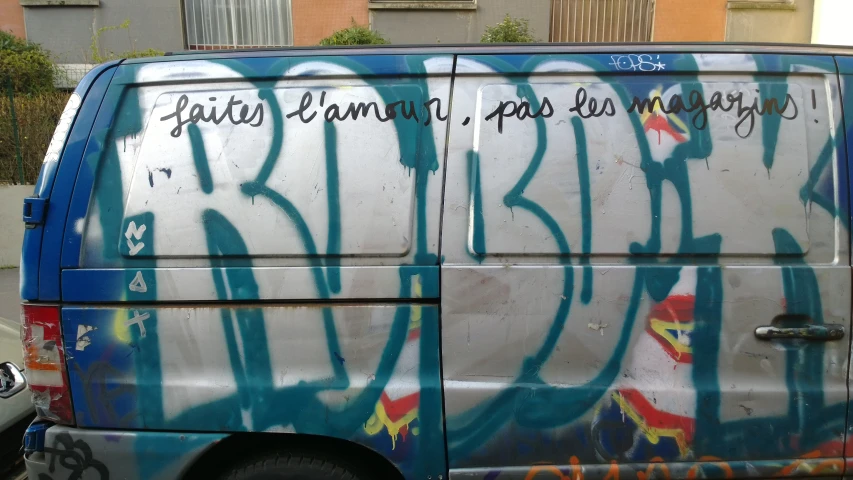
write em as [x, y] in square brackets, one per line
[239, 447]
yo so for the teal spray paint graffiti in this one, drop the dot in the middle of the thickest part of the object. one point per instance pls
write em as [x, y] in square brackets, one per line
[528, 400]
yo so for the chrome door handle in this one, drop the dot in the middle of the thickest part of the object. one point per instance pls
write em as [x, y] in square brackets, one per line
[11, 380]
[819, 333]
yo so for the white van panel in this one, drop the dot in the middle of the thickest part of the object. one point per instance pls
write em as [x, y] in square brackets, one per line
[376, 190]
[732, 179]
[376, 187]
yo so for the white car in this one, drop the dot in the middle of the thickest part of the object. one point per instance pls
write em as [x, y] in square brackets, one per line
[16, 409]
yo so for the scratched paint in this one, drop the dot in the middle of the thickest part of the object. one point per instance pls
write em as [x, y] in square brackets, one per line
[673, 231]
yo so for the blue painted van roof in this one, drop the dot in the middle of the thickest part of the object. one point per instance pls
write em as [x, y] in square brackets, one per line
[509, 48]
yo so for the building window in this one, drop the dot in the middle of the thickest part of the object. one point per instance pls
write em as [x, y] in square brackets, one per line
[223, 24]
[602, 20]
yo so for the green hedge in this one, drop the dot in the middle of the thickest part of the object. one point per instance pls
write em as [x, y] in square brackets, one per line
[28, 65]
[37, 116]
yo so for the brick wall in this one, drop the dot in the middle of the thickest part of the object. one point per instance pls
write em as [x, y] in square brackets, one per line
[690, 21]
[314, 20]
[12, 18]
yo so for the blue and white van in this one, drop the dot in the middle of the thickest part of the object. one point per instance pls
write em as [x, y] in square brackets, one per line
[506, 262]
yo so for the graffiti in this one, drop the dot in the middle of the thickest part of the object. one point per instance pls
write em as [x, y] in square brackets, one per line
[396, 411]
[75, 456]
[653, 391]
[394, 416]
[661, 122]
[197, 114]
[809, 464]
[607, 107]
[138, 283]
[103, 393]
[637, 63]
[746, 113]
[671, 324]
[659, 109]
[333, 112]
[166, 171]
[643, 418]
[138, 320]
[521, 111]
[690, 425]
[131, 233]
[83, 339]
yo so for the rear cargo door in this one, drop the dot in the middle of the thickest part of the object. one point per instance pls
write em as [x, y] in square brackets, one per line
[45, 211]
[253, 246]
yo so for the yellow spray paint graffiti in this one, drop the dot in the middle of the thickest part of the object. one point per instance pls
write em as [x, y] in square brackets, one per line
[397, 408]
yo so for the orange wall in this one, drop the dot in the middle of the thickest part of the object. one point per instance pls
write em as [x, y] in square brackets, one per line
[12, 17]
[314, 20]
[690, 21]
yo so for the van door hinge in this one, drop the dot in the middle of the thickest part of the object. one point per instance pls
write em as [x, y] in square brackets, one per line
[35, 209]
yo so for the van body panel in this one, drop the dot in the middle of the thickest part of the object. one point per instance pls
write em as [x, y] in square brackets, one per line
[277, 200]
[603, 273]
[310, 237]
[42, 242]
[76, 453]
[814, 468]
[482, 262]
[845, 68]
[365, 378]
[280, 283]
[194, 369]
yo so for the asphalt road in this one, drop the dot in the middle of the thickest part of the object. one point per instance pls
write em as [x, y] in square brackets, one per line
[10, 300]
[10, 308]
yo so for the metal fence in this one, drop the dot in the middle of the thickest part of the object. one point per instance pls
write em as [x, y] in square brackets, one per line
[70, 74]
[584, 21]
[16, 134]
[27, 123]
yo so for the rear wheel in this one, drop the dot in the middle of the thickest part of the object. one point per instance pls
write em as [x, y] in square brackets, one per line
[295, 465]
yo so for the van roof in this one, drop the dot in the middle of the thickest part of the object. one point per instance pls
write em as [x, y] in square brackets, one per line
[510, 48]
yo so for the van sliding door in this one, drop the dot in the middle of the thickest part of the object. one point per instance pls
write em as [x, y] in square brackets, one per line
[646, 267]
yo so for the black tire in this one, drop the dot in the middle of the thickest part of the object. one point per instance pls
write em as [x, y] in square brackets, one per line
[295, 466]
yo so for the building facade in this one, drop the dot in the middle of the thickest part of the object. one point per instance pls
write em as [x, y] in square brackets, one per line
[453, 21]
[12, 18]
[78, 32]
[67, 27]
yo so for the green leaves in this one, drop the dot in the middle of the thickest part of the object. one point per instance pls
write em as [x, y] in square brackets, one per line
[99, 57]
[354, 35]
[28, 65]
[510, 30]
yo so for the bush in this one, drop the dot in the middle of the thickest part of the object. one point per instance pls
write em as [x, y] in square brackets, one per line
[354, 35]
[509, 30]
[28, 65]
[37, 118]
[98, 57]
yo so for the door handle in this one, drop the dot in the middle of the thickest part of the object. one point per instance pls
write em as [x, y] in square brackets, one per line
[12, 380]
[818, 333]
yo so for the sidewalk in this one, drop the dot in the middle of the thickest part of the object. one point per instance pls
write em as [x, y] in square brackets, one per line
[10, 299]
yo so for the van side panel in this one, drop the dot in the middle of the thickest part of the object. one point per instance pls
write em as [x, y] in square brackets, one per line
[76, 453]
[245, 183]
[617, 228]
[42, 242]
[845, 70]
